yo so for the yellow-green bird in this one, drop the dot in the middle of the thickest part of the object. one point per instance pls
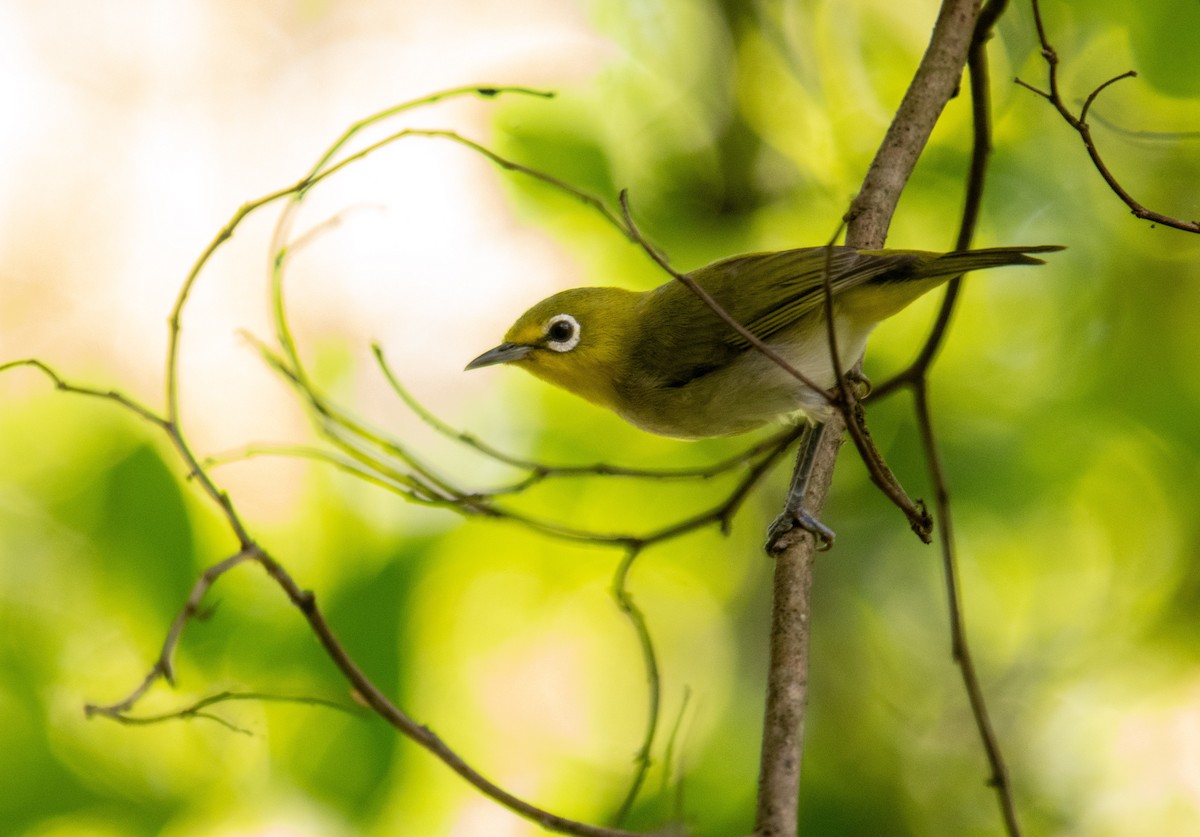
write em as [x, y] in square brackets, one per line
[662, 360]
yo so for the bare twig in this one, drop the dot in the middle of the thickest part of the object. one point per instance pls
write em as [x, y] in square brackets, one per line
[856, 423]
[106, 394]
[296, 191]
[305, 602]
[364, 688]
[199, 708]
[935, 83]
[1084, 129]
[624, 599]
[959, 648]
[670, 768]
[164, 667]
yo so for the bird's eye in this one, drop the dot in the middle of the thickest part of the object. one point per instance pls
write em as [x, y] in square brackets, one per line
[562, 333]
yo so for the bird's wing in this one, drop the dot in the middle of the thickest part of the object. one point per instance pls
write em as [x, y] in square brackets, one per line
[682, 339]
[768, 292]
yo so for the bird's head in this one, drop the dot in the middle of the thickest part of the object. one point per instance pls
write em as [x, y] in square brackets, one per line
[577, 339]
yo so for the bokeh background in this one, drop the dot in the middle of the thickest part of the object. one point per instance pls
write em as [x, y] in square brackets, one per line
[1067, 401]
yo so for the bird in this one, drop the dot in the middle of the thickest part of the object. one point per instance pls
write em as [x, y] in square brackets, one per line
[664, 361]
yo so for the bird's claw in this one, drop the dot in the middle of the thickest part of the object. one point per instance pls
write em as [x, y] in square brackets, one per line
[780, 533]
[862, 384]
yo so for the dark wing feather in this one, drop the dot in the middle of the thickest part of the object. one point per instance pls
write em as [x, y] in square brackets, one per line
[682, 339]
[796, 279]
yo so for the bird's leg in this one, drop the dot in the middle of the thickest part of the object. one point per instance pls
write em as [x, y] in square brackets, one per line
[794, 516]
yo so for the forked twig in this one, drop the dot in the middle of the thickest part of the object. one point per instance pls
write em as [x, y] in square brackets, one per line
[63, 385]
[1082, 127]
[199, 709]
[364, 688]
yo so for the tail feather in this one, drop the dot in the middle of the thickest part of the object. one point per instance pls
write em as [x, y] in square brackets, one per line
[916, 272]
[961, 261]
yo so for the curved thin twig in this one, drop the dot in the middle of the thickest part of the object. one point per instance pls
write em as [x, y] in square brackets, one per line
[390, 465]
[62, 385]
[199, 709]
[624, 599]
[541, 470]
[305, 601]
[1082, 127]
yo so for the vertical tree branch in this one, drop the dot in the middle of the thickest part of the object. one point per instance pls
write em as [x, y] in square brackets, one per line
[787, 674]
[935, 82]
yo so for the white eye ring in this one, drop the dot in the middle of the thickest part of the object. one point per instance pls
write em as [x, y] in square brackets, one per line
[562, 333]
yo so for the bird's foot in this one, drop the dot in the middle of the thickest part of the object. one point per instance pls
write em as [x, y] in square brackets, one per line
[861, 383]
[787, 528]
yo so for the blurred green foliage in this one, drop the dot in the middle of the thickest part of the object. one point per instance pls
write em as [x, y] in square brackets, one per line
[1066, 404]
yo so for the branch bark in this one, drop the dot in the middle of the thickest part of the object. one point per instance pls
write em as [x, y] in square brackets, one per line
[934, 84]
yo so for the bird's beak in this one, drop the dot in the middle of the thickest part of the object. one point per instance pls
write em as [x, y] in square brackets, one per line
[504, 353]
